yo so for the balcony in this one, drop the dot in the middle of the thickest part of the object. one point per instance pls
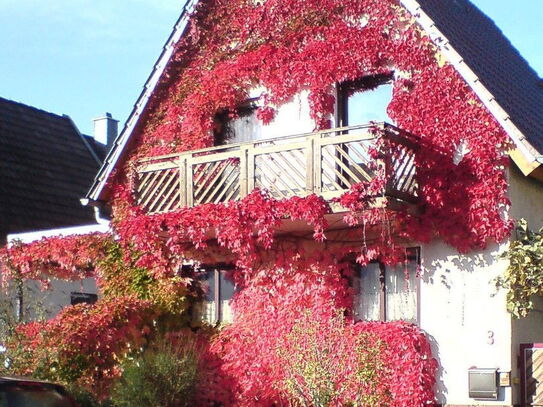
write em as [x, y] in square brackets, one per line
[326, 163]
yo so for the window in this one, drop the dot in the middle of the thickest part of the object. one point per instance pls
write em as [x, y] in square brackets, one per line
[387, 293]
[364, 100]
[82, 298]
[218, 290]
[245, 127]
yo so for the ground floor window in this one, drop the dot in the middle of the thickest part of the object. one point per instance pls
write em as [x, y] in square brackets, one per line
[82, 298]
[387, 293]
[218, 290]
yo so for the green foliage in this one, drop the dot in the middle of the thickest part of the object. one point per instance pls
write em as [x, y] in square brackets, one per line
[120, 276]
[524, 275]
[85, 398]
[329, 363]
[164, 376]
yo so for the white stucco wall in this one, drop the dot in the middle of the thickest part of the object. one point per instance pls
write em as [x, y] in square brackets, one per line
[460, 308]
[292, 118]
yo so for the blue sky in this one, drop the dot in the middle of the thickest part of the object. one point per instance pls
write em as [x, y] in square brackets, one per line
[86, 57]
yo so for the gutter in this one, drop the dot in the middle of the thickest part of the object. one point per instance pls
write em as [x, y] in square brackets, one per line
[97, 206]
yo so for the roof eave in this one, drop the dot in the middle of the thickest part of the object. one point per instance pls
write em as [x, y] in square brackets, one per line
[98, 188]
[524, 155]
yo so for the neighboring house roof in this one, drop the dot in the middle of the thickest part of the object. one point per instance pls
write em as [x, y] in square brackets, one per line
[470, 40]
[46, 166]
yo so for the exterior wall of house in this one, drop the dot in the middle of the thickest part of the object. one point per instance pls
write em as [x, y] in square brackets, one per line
[292, 118]
[465, 318]
[46, 303]
[526, 196]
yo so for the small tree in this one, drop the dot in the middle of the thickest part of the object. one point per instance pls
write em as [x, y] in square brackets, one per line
[164, 376]
[327, 363]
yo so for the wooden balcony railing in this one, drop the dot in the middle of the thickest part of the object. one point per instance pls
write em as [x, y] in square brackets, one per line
[326, 163]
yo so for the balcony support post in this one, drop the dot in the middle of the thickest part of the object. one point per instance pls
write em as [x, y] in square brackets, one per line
[317, 164]
[189, 184]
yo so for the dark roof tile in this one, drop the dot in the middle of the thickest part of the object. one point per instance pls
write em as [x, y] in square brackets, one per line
[45, 168]
[497, 63]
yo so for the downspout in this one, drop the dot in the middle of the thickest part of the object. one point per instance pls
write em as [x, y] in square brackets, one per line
[96, 206]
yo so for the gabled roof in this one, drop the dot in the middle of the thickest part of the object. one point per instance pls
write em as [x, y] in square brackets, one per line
[46, 166]
[494, 69]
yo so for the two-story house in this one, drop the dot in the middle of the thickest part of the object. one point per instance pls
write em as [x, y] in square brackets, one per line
[278, 97]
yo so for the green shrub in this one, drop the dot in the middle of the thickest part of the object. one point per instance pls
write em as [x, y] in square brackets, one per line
[85, 398]
[164, 376]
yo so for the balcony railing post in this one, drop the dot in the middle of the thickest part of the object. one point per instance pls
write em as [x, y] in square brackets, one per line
[182, 162]
[190, 182]
[310, 166]
[250, 168]
[317, 163]
[243, 172]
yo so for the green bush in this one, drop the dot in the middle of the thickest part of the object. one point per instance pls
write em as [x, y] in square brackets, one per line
[85, 398]
[164, 376]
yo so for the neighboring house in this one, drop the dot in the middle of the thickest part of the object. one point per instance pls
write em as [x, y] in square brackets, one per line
[455, 301]
[46, 166]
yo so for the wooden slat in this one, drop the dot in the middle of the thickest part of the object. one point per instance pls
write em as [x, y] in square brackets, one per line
[162, 194]
[353, 163]
[227, 186]
[278, 176]
[157, 186]
[200, 194]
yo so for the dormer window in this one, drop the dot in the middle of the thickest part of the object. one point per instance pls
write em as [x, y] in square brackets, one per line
[242, 128]
[364, 100]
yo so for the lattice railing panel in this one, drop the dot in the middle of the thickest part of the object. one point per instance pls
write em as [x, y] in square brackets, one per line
[346, 164]
[216, 181]
[282, 174]
[402, 174]
[159, 190]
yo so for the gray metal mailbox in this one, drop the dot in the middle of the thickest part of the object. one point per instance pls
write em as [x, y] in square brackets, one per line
[483, 384]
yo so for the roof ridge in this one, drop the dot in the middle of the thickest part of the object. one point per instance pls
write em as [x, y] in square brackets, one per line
[37, 109]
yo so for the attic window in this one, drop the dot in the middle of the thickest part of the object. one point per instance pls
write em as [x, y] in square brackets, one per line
[239, 126]
[364, 100]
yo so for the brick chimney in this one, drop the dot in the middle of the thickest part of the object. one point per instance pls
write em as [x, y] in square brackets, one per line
[106, 129]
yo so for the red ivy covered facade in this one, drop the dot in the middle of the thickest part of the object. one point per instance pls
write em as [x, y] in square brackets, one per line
[285, 47]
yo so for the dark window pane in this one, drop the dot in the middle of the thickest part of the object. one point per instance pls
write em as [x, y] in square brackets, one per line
[246, 127]
[226, 294]
[82, 298]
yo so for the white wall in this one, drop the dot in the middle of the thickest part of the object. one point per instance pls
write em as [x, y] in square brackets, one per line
[459, 308]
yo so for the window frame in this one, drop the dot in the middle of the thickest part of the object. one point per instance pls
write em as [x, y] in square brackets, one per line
[416, 255]
[217, 270]
[361, 84]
